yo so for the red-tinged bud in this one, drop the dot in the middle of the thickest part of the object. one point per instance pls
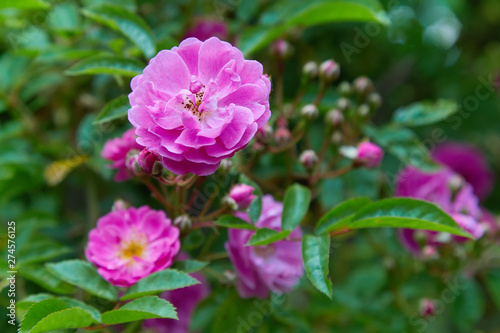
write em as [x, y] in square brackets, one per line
[281, 49]
[308, 159]
[329, 71]
[242, 195]
[150, 164]
[282, 136]
[363, 86]
[265, 133]
[369, 155]
[427, 307]
[334, 117]
[132, 163]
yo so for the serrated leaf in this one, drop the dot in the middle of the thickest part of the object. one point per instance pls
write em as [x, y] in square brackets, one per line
[40, 276]
[24, 4]
[295, 206]
[190, 266]
[115, 109]
[139, 309]
[231, 221]
[425, 113]
[107, 64]
[83, 275]
[265, 236]
[28, 301]
[316, 255]
[340, 215]
[96, 315]
[406, 213]
[126, 22]
[155, 283]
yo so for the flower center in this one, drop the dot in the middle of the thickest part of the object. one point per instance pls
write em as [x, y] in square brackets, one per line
[193, 102]
[134, 247]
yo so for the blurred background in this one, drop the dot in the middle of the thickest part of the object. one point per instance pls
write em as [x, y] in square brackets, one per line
[55, 185]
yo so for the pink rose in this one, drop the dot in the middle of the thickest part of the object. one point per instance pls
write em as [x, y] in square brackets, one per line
[242, 195]
[116, 150]
[369, 154]
[129, 244]
[198, 104]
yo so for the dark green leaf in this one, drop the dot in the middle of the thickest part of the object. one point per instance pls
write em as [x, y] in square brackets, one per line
[406, 213]
[425, 113]
[25, 303]
[267, 236]
[155, 283]
[190, 266]
[82, 274]
[40, 276]
[340, 215]
[116, 108]
[316, 254]
[106, 64]
[128, 23]
[493, 285]
[234, 312]
[295, 206]
[231, 221]
[468, 306]
[139, 309]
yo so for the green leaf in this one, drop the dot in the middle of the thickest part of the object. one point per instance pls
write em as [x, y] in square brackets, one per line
[257, 37]
[54, 314]
[106, 64]
[42, 250]
[404, 144]
[406, 213]
[425, 113]
[468, 307]
[265, 236]
[40, 276]
[24, 4]
[116, 108]
[139, 309]
[25, 303]
[230, 221]
[190, 266]
[155, 283]
[316, 254]
[96, 315]
[233, 314]
[340, 215]
[493, 285]
[295, 206]
[126, 22]
[83, 275]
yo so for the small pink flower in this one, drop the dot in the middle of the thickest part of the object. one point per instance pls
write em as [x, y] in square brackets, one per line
[242, 195]
[276, 267]
[204, 29]
[149, 163]
[129, 244]
[369, 154]
[427, 307]
[116, 150]
[198, 104]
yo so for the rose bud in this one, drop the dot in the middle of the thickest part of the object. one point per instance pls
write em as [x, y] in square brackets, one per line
[183, 222]
[343, 104]
[363, 110]
[281, 49]
[334, 117]
[344, 88]
[429, 252]
[120, 204]
[369, 155]
[150, 164]
[282, 136]
[265, 133]
[132, 163]
[226, 165]
[309, 111]
[427, 307]
[308, 159]
[230, 203]
[336, 138]
[310, 70]
[374, 100]
[363, 86]
[242, 195]
[329, 70]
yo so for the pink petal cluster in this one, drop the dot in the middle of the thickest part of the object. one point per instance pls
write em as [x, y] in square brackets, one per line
[185, 300]
[369, 154]
[129, 244]
[468, 162]
[276, 267]
[116, 150]
[198, 104]
[447, 190]
[242, 195]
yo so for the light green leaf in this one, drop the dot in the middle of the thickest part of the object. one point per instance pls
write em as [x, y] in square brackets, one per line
[96, 315]
[128, 23]
[83, 275]
[265, 236]
[115, 109]
[295, 206]
[257, 37]
[406, 213]
[155, 283]
[139, 309]
[316, 254]
[340, 215]
[231, 221]
[106, 64]
[40, 276]
[190, 266]
[24, 4]
[25, 303]
[425, 113]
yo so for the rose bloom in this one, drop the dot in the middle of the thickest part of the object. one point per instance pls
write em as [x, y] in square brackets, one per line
[369, 154]
[242, 195]
[116, 150]
[276, 267]
[468, 162]
[451, 193]
[129, 244]
[185, 300]
[198, 104]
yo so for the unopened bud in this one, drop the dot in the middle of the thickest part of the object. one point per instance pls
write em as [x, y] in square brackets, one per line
[363, 86]
[363, 110]
[230, 203]
[265, 133]
[281, 49]
[309, 111]
[374, 100]
[343, 104]
[345, 88]
[429, 252]
[132, 163]
[150, 164]
[334, 117]
[427, 307]
[282, 136]
[369, 155]
[308, 159]
[456, 182]
[310, 69]
[226, 164]
[329, 70]
[242, 195]
[336, 138]
[183, 222]
[120, 204]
